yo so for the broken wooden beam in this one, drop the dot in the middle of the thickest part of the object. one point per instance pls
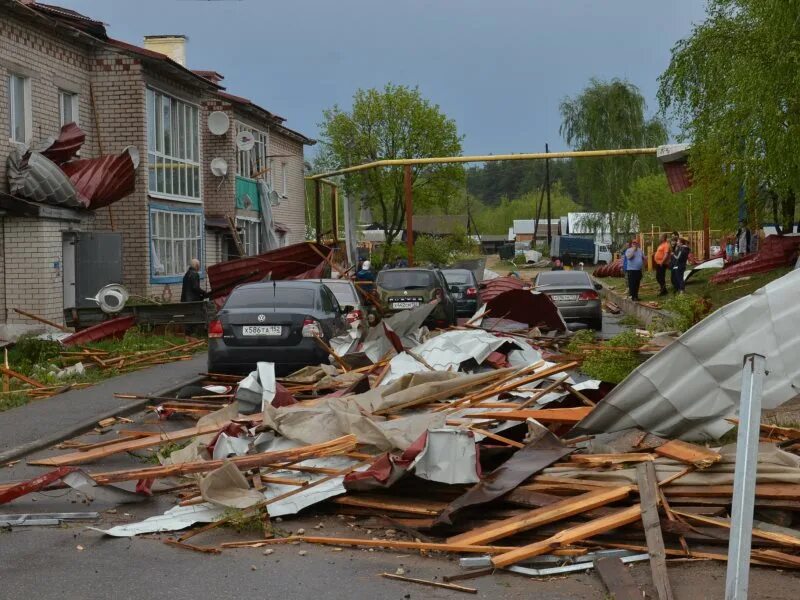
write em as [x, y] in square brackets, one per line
[648, 493]
[692, 454]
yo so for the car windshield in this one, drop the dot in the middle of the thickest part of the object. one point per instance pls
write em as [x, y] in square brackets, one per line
[457, 277]
[399, 280]
[344, 292]
[271, 297]
[563, 278]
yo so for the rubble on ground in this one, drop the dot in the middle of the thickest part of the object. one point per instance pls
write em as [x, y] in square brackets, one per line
[478, 441]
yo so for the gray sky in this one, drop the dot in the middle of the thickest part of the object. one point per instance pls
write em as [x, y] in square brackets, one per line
[498, 67]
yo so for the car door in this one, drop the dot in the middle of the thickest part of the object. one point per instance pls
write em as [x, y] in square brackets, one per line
[335, 321]
[447, 298]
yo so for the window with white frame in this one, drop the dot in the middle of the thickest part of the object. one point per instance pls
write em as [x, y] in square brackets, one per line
[284, 187]
[252, 162]
[250, 234]
[173, 147]
[175, 239]
[19, 99]
[68, 107]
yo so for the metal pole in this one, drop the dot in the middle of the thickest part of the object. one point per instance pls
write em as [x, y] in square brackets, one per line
[744, 479]
[335, 214]
[547, 184]
[318, 207]
[409, 198]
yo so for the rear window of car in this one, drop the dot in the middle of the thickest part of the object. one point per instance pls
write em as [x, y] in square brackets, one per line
[344, 292]
[398, 280]
[457, 277]
[272, 297]
[563, 278]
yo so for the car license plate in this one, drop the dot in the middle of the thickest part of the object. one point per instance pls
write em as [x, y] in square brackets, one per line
[261, 330]
[404, 305]
[565, 298]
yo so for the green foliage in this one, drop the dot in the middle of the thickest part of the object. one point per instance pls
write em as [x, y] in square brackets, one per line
[608, 115]
[732, 88]
[392, 123]
[29, 352]
[443, 250]
[612, 365]
[687, 309]
[580, 338]
[651, 200]
[137, 339]
[493, 181]
[248, 521]
[498, 218]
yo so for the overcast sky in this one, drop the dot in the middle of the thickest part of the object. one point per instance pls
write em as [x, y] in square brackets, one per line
[498, 67]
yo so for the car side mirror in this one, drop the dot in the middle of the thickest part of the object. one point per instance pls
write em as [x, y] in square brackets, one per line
[453, 289]
[598, 286]
[347, 309]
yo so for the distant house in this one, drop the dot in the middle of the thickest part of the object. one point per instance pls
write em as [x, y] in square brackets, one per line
[523, 229]
[596, 226]
[490, 243]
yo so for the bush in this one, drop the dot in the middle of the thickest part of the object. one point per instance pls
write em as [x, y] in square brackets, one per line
[443, 250]
[686, 309]
[30, 351]
[613, 365]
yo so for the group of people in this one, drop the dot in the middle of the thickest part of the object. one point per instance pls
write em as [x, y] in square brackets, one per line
[671, 255]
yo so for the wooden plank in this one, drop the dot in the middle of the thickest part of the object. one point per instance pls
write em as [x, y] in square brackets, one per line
[127, 445]
[545, 415]
[648, 493]
[408, 505]
[573, 534]
[541, 516]
[777, 491]
[773, 536]
[438, 584]
[498, 438]
[617, 579]
[613, 459]
[691, 454]
[392, 544]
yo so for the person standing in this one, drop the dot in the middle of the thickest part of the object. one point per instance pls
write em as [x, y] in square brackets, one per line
[625, 267]
[634, 266]
[191, 290]
[678, 265]
[743, 236]
[662, 260]
[366, 277]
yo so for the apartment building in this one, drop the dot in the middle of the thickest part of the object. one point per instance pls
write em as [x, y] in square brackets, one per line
[59, 67]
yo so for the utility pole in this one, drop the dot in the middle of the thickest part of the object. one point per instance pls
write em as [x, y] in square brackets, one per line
[547, 187]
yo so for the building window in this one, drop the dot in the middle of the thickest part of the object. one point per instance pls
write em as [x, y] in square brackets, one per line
[19, 96]
[283, 180]
[175, 239]
[250, 234]
[173, 148]
[250, 163]
[68, 107]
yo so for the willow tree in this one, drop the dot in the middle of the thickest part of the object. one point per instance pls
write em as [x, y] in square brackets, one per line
[610, 115]
[732, 86]
[393, 123]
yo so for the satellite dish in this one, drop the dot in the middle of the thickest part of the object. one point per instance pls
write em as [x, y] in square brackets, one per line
[218, 122]
[133, 152]
[219, 167]
[245, 140]
[274, 198]
[111, 298]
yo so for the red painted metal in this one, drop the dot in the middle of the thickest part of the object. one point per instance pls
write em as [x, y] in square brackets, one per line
[679, 176]
[104, 180]
[69, 141]
[290, 262]
[614, 269]
[493, 287]
[524, 306]
[776, 251]
[113, 328]
[33, 485]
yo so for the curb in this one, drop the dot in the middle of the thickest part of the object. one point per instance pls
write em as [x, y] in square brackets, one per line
[645, 314]
[79, 428]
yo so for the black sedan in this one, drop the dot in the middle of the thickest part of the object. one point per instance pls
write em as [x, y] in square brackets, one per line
[464, 289]
[575, 295]
[276, 322]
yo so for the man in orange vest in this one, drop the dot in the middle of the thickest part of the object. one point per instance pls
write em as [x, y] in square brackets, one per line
[662, 259]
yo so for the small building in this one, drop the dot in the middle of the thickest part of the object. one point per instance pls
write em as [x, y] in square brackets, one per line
[523, 229]
[490, 243]
[595, 225]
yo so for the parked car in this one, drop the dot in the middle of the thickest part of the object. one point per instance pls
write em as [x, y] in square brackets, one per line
[575, 295]
[464, 289]
[275, 321]
[403, 289]
[347, 295]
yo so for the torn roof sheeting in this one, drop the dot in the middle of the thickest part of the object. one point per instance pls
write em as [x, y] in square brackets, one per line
[535, 309]
[688, 388]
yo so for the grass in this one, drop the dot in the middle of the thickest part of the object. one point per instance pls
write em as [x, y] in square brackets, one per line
[41, 360]
[607, 364]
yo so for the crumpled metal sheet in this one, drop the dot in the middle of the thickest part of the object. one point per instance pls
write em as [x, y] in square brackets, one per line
[541, 453]
[535, 309]
[176, 518]
[406, 324]
[450, 456]
[690, 387]
[35, 177]
[227, 487]
[104, 180]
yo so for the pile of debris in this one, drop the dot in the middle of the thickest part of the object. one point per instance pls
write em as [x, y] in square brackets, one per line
[481, 443]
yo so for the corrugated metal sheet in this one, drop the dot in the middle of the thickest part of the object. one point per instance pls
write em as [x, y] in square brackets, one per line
[67, 145]
[776, 251]
[102, 181]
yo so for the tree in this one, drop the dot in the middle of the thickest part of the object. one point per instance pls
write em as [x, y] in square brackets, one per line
[494, 180]
[393, 123]
[651, 200]
[732, 86]
[610, 115]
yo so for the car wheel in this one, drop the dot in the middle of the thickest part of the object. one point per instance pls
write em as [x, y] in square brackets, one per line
[596, 324]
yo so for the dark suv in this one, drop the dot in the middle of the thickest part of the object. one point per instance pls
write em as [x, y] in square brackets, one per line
[403, 289]
[276, 322]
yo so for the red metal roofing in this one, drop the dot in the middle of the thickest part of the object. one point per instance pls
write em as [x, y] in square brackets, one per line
[69, 141]
[492, 287]
[112, 328]
[102, 180]
[776, 251]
